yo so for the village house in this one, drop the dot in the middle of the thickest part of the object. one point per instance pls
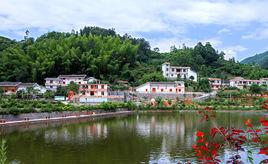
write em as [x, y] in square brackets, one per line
[175, 72]
[35, 86]
[77, 79]
[9, 87]
[93, 93]
[217, 83]
[64, 80]
[240, 82]
[162, 87]
[52, 83]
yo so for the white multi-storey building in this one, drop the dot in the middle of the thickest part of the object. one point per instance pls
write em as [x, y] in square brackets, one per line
[64, 80]
[162, 87]
[93, 93]
[77, 79]
[52, 83]
[240, 82]
[217, 83]
[174, 72]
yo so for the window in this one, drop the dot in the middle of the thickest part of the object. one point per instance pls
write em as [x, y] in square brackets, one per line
[179, 90]
[170, 90]
[91, 93]
[146, 90]
[171, 74]
[102, 93]
[91, 86]
[102, 86]
[79, 82]
[79, 78]
[166, 69]
[63, 78]
[166, 74]
[13, 90]
[50, 86]
[172, 69]
[51, 81]
[162, 90]
[64, 82]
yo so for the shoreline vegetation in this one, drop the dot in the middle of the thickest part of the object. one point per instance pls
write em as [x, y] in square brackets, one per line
[16, 106]
[225, 100]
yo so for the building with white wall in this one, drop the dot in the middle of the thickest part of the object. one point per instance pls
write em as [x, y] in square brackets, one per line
[215, 83]
[35, 86]
[93, 93]
[63, 80]
[174, 72]
[52, 83]
[97, 90]
[162, 87]
[77, 79]
[240, 82]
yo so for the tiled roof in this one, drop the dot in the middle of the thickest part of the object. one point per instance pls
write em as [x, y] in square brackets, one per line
[161, 83]
[28, 84]
[52, 78]
[68, 76]
[214, 79]
[2, 84]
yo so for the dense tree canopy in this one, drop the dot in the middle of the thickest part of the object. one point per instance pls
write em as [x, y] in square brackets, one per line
[106, 55]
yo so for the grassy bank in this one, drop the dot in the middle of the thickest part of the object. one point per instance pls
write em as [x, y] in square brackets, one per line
[16, 106]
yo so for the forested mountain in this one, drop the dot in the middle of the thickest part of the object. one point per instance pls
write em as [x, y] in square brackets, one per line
[258, 59]
[106, 55]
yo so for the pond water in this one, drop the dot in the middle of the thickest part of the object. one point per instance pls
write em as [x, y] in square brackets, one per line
[136, 138]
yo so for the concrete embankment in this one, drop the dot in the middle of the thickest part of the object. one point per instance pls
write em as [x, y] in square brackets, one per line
[56, 116]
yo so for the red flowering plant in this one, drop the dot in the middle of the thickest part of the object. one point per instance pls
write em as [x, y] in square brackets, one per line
[207, 147]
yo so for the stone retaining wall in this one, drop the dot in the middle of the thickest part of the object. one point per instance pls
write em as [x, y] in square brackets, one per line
[25, 116]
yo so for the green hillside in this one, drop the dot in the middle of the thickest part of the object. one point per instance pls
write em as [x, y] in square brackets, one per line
[258, 59]
[106, 55]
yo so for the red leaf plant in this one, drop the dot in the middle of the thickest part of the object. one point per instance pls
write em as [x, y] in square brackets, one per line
[207, 150]
[206, 113]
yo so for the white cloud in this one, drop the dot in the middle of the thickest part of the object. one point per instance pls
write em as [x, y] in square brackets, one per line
[165, 43]
[232, 51]
[128, 15]
[224, 31]
[175, 17]
[215, 42]
[261, 33]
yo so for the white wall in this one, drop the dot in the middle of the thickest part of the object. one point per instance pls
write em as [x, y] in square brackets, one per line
[163, 88]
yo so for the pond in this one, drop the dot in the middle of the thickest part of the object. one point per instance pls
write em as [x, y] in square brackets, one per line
[135, 138]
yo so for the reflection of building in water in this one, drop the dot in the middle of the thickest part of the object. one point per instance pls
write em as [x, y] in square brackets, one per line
[172, 130]
[79, 134]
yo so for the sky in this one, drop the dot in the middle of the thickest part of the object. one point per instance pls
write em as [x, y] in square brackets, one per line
[237, 27]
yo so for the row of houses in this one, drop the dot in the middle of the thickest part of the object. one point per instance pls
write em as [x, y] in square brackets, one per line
[239, 82]
[176, 72]
[52, 83]
[13, 87]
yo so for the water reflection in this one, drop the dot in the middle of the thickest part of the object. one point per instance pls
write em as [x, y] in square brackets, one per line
[138, 138]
